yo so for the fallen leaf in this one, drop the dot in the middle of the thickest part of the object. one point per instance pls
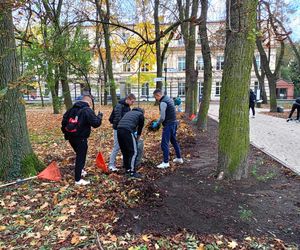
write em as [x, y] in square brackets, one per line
[20, 222]
[232, 244]
[200, 247]
[63, 235]
[46, 204]
[146, 238]
[63, 218]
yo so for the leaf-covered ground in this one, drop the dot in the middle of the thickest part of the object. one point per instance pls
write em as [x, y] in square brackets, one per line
[58, 215]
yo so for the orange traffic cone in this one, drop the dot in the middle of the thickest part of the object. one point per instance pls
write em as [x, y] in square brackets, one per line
[51, 173]
[101, 163]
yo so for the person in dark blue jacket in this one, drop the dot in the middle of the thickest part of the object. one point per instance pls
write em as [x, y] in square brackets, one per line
[116, 115]
[132, 123]
[169, 122]
[296, 105]
[76, 126]
[252, 100]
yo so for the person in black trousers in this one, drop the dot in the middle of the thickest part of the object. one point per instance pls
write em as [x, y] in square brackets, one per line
[131, 123]
[76, 126]
[296, 105]
[252, 99]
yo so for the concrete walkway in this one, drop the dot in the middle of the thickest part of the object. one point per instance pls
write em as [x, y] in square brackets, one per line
[274, 136]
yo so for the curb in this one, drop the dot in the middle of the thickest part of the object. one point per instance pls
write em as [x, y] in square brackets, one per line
[214, 117]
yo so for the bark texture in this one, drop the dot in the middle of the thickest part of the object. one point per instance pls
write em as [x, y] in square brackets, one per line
[206, 53]
[14, 140]
[234, 102]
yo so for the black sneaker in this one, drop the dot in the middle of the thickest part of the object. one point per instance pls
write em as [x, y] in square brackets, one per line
[135, 175]
[288, 119]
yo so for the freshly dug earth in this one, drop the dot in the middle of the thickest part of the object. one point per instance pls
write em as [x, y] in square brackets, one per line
[267, 204]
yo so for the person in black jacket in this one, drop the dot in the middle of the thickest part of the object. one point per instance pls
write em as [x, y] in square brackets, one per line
[296, 105]
[252, 100]
[131, 123]
[169, 122]
[118, 112]
[76, 126]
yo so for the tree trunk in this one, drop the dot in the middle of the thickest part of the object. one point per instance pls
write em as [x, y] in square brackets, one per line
[207, 84]
[159, 61]
[111, 81]
[16, 154]
[191, 75]
[234, 102]
[272, 77]
[261, 81]
[63, 72]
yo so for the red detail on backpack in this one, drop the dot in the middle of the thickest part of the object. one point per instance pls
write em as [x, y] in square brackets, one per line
[74, 123]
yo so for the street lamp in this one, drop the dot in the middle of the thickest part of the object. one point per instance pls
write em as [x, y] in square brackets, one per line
[166, 69]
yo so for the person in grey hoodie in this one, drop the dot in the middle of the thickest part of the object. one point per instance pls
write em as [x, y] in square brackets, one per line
[116, 115]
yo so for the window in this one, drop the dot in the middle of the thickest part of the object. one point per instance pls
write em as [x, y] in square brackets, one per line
[126, 66]
[180, 41]
[218, 88]
[128, 88]
[256, 87]
[220, 63]
[145, 89]
[200, 63]
[145, 67]
[181, 63]
[200, 86]
[257, 59]
[198, 39]
[165, 63]
[181, 89]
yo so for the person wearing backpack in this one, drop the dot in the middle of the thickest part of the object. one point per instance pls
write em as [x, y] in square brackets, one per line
[76, 126]
[116, 115]
[129, 131]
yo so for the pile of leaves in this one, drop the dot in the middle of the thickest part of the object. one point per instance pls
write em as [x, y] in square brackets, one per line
[59, 215]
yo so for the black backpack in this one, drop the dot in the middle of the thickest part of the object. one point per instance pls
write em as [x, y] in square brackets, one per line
[72, 127]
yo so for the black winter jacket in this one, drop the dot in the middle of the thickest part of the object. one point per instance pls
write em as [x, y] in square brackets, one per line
[86, 119]
[118, 112]
[133, 121]
[252, 97]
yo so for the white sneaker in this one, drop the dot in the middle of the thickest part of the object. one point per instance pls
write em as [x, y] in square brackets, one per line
[82, 182]
[178, 160]
[163, 165]
[113, 168]
[83, 173]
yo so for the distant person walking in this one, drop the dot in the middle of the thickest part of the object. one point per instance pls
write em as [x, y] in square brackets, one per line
[252, 100]
[116, 115]
[296, 105]
[178, 103]
[76, 126]
[169, 122]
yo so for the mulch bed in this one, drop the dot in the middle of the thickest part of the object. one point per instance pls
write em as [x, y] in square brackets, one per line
[267, 204]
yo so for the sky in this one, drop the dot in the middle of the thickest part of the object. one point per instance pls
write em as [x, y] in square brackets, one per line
[217, 12]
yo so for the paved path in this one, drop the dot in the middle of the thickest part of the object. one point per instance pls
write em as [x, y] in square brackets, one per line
[274, 136]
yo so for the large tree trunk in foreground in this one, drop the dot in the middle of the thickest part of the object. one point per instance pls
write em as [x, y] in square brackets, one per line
[234, 102]
[205, 48]
[16, 154]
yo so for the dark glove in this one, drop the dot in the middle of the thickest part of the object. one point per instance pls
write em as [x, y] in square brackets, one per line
[100, 115]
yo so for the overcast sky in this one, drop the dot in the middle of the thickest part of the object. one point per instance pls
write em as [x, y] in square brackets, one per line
[217, 12]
